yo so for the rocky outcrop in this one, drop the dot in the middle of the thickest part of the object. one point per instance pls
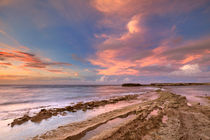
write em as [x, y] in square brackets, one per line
[45, 114]
[166, 118]
[131, 84]
[163, 84]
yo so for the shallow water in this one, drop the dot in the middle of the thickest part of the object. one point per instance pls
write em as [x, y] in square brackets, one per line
[192, 93]
[30, 129]
[18, 100]
[109, 125]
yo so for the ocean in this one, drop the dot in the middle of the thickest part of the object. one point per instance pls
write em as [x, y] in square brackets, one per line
[17, 100]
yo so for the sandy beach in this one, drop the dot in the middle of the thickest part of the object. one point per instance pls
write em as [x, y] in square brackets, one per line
[167, 116]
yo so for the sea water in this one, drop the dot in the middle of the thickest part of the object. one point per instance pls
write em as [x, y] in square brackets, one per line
[17, 100]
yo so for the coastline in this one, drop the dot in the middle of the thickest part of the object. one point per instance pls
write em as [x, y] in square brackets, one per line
[153, 119]
[48, 113]
[57, 98]
[163, 84]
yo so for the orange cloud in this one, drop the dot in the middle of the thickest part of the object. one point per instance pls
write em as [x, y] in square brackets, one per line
[59, 71]
[29, 60]
[126, 51]
[114, 62]
[109, 6]
[17, 63]
[127, 8]
[6, 2]
[111, 66]
[133, 25]
[6, 64]
[190, 58]
[155, 58]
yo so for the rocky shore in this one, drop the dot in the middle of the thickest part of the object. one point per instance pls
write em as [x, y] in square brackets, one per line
[45, 114]
[167, 117]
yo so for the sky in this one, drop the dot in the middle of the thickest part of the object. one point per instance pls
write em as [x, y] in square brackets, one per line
[104, 41]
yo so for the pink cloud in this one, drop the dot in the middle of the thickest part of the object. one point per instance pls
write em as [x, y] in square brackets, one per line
[5, 63]
[111, 65]
[130, 7]
[17, 65]
[18, 62]
[29, 60]
[126, 50]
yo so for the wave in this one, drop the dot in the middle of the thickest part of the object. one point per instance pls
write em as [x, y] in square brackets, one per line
[21, 102]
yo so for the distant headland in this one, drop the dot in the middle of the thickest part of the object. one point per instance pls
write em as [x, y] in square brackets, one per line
[162, 84]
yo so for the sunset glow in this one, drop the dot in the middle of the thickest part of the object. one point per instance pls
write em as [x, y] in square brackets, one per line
[104, 69]
[82, 42]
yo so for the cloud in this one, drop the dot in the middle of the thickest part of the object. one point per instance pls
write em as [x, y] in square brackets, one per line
[187, 70]
[130, 7]
[18, 62]
[17, 65]
[157, 60]
[16, 53]
[13, 77]
[29, 59]
[189, 50]
[5, 63]
[4, 3]
[117, 13]
[133, 25]
[132, 37]
[102, 79]
[158, 69]
[108, 79]
[190, 68]
[111, 65]
[133, 47]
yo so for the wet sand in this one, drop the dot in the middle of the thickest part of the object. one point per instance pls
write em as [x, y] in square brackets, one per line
[167, 117]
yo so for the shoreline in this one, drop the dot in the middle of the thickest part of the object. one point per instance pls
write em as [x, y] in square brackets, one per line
[163, 84]
[44, 114]
[157, 115]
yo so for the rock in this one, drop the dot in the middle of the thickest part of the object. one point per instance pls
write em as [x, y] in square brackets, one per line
[131, 84]
[21, 120]
[69, 108]
[84, 109]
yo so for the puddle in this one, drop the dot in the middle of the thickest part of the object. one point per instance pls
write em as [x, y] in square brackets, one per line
[110, 124]
[153, 113]
[31, 129]
[189, 104]
[193, 93]
[164, 119]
